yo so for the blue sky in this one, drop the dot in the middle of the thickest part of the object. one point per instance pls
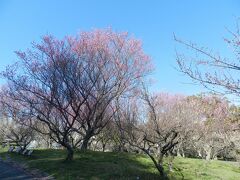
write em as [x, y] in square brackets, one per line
[154, 22]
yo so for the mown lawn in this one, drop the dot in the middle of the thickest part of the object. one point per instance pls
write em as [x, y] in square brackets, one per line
[108, 165]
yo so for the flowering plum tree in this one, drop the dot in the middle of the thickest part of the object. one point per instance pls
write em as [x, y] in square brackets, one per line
[70, 85]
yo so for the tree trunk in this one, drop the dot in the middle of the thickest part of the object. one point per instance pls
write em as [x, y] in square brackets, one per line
[103, 147]
[160, 167]
[199, 153]
[161, 171]
[178, 153]
[158, 164]
[170, 166]
[183, 154]
[208, 156]
[49, 143]
[69, 153]
[214, 155]
[170, 163]
[85, 142]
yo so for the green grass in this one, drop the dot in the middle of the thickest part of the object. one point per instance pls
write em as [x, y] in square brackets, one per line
[2, 150]
[202, 169]
[99, 165]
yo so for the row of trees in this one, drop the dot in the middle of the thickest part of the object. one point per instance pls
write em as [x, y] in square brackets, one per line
[158, 125]
[90, 92]
[168, 125]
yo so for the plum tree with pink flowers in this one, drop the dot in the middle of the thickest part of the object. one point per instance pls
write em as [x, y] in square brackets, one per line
[70, 85]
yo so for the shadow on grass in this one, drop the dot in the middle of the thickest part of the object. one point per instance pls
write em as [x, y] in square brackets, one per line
[179, 172]
[90, 165]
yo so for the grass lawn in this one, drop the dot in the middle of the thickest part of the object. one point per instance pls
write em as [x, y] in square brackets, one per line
[108, 165]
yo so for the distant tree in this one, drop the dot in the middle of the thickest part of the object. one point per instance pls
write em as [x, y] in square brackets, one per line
[231, 148]
[70, 85]
[212, 124]
[11, 128]
[186, 114]
[205, 127]
[104, 140]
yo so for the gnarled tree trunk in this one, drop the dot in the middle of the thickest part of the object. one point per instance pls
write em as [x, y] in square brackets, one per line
[70, 153]
[86, 140]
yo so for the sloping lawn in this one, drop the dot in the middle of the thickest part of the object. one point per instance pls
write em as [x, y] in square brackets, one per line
[202, 169]
[108, 165]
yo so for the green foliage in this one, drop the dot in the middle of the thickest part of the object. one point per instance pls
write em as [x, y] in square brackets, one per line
[108, 165]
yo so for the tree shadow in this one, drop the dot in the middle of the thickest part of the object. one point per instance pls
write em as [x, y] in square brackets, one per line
[89, 164]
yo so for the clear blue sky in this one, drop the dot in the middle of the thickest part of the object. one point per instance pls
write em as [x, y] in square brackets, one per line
[154, 22]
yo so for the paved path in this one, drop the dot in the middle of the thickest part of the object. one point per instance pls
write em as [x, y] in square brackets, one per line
[7, 172]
